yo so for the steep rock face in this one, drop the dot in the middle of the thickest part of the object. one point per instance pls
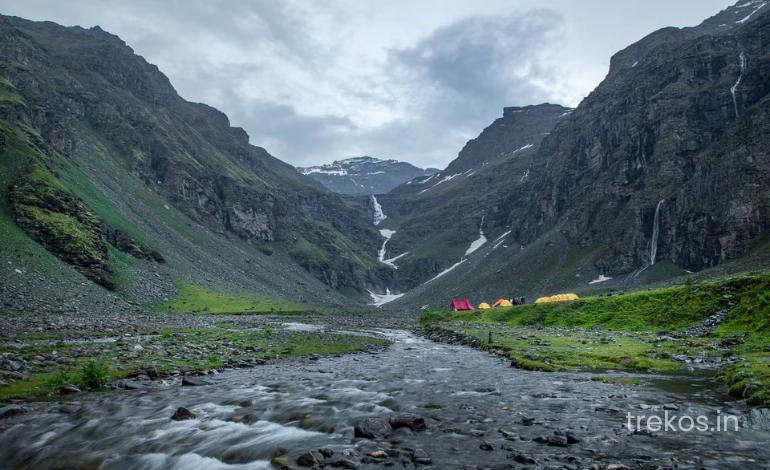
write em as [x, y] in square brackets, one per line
[664, 162]
[361, 176]
[85, 89]
[520, 128]
[437, 218]
[683, 123]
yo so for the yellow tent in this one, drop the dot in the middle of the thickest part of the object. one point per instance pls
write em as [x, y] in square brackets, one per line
[503, 303]
[483, 306]
[557, 298]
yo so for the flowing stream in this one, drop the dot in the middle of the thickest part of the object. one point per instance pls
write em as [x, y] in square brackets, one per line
[479, 411]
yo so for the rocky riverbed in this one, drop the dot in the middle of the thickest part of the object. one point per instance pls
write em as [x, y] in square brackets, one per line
[417, 403]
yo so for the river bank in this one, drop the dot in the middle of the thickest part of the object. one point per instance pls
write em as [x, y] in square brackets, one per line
[719, 325]
[42, 358]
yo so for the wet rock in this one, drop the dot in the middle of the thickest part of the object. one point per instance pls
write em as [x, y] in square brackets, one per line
[486, 445]
[69, 389]
[307, 460]
[344, 463]
[670, 406]
[371, 428]
[571, 438]
[523, 459]
[182, 414]
[193, 382]
[527, 420]
[407, 420]
[327, 453]
[617, 466]
[420, 457]
[13, 410]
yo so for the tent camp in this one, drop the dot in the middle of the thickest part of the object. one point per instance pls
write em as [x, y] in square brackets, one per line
[503, 303]
[484, 306]
[460, 304]
[557, 298]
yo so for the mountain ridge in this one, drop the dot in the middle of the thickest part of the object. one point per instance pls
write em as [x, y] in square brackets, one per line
[110, 127]
[678, 119]
[364, 176]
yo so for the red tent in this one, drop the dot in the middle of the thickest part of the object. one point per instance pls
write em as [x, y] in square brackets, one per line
[460, 304]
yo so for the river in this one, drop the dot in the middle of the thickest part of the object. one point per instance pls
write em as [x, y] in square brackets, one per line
[479, 412]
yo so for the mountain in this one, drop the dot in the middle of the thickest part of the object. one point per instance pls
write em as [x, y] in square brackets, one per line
[662, 170]
[108, 173]
[364, 175]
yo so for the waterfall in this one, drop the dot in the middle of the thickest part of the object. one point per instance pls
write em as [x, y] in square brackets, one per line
[378, 215]
[734, 88]
[655, 233]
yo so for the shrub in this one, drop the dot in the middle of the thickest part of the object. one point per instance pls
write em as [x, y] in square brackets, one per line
[94, 375]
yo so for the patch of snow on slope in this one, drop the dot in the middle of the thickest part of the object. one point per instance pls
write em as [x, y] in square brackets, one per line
[378, 300]
[524, 148]
[601, 278]
[428, 178]
[443, 180]
[524, 176]
[446, 271]
[752, 12]
[479, 242]
[379, 216]
[386, 233]
[392, 261]
[308, 171]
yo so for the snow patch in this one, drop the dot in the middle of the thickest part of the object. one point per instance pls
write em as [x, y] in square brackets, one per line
[601, 278]
[503, 235]
[392, 261]
[524, 176]
[479, 242]
[309, 171]
[446, 271]
[386, 233]
[378, 300]
[752, 12]
[443, 180]
[378, 216]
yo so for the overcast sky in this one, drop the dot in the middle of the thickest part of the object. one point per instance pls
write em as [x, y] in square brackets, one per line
[315, 81]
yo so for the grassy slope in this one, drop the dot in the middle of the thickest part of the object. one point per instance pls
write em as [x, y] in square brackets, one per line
[620, 331]
[192, 298]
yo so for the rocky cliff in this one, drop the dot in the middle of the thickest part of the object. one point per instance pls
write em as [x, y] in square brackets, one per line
[660, 171]
[112, 127]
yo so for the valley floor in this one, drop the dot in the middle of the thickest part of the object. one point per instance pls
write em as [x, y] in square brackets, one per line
[354, 390]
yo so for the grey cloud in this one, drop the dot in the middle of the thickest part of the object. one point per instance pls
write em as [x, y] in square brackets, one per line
[275, 74]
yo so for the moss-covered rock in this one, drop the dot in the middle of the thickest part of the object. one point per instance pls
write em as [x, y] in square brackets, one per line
[49, 213]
